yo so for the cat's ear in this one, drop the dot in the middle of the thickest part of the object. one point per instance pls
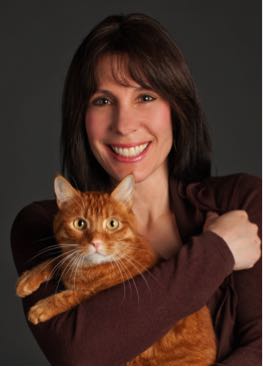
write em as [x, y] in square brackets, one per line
[124, 191]
[63, 190]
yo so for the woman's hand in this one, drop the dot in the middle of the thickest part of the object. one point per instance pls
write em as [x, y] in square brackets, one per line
[240, 235]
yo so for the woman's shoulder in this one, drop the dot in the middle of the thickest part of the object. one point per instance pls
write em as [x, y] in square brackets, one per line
[36, 211]
[33, 217]
[31, 228]
[235, 185]
[224, 192]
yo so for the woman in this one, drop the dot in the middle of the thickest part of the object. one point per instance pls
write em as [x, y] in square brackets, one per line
[130, 105]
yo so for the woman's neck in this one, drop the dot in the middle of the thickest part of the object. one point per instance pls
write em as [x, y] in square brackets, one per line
[151, 198]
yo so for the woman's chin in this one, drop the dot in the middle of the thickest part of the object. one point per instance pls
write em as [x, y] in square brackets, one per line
[120, 175]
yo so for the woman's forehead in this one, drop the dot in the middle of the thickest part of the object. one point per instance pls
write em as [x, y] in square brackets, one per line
[114, 68]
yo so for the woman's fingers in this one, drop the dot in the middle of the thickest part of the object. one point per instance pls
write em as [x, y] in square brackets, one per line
[240, 235]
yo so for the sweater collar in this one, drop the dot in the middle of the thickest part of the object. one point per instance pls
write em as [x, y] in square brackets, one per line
[189, 214]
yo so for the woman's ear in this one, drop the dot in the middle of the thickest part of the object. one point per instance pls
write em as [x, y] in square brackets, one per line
[63, 190]
[124, 191]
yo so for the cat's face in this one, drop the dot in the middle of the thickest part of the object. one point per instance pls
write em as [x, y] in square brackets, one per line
[100, 225]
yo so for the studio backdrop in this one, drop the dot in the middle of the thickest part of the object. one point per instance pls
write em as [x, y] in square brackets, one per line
[221, 41]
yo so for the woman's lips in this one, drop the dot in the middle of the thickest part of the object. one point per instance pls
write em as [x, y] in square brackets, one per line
[129, 152]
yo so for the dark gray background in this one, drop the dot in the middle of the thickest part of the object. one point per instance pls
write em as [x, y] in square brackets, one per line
[221, 40]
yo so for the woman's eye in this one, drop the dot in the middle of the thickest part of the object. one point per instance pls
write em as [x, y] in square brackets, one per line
[112, 224]
[147, 98]
[101, 101]
[80, 224]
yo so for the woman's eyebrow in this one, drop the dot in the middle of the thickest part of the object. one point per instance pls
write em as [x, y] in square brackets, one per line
[106, 91]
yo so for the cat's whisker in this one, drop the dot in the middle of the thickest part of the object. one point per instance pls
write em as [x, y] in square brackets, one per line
[52, 248]
[71, 257]
[64, 259]
[115, 262]
[137, 265]
[70, 260]
[63, 256]
[126, 271]
[132, 260]
[60, 278]
[73, 269]
[76, 264]
[80, 261]
[141, 250]
[83, 261]
[43, 251]
[67, 269]
[58, 266]
[130, 277]
[151, 275]
[44, 238]
[50, 262]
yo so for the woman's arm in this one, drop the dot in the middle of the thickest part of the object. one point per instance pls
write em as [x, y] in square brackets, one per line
[248, 285]
[113, 327]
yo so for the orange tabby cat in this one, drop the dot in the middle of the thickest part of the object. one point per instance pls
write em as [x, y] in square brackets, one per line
[101, 248]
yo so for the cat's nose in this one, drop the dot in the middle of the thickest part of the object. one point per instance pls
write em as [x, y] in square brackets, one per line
[97, 244]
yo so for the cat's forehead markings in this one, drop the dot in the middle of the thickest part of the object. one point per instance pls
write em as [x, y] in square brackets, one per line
[97, 203]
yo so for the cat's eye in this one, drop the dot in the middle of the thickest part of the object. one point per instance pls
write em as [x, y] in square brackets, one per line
[112, 224]
[80, 224]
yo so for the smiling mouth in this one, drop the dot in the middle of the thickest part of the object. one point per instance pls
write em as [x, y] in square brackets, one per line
[133, 151]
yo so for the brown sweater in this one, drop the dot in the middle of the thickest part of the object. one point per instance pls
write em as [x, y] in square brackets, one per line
[109, 329]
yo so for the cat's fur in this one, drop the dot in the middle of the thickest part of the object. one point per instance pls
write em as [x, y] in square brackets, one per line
[121, 254]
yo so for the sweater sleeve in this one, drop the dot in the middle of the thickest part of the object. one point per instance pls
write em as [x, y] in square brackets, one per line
[248, 285]
[119, 323]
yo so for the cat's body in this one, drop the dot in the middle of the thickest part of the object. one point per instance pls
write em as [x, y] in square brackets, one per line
[101, 248]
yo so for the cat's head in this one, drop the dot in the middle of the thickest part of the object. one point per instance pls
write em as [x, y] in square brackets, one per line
[101, 225]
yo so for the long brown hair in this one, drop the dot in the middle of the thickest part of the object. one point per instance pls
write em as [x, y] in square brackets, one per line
[154, 61]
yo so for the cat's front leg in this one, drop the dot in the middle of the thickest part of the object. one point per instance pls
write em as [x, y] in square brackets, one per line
[31, 280]
[51, 306]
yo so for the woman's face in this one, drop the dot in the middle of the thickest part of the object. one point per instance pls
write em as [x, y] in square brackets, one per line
[129, 128]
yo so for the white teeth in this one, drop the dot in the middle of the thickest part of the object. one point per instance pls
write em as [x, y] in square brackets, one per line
[130, 152]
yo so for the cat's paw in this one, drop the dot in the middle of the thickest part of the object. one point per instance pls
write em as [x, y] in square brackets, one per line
[24, 285]
[40, 312]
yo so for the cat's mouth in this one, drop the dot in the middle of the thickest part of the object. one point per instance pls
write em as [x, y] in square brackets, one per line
[94, 254]
[97, 258]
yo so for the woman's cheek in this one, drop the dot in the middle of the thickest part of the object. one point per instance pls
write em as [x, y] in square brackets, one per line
[97, 125]
[163, 116]
[92, 128]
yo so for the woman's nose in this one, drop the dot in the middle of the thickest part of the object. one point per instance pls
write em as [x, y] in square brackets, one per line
[125, 120]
